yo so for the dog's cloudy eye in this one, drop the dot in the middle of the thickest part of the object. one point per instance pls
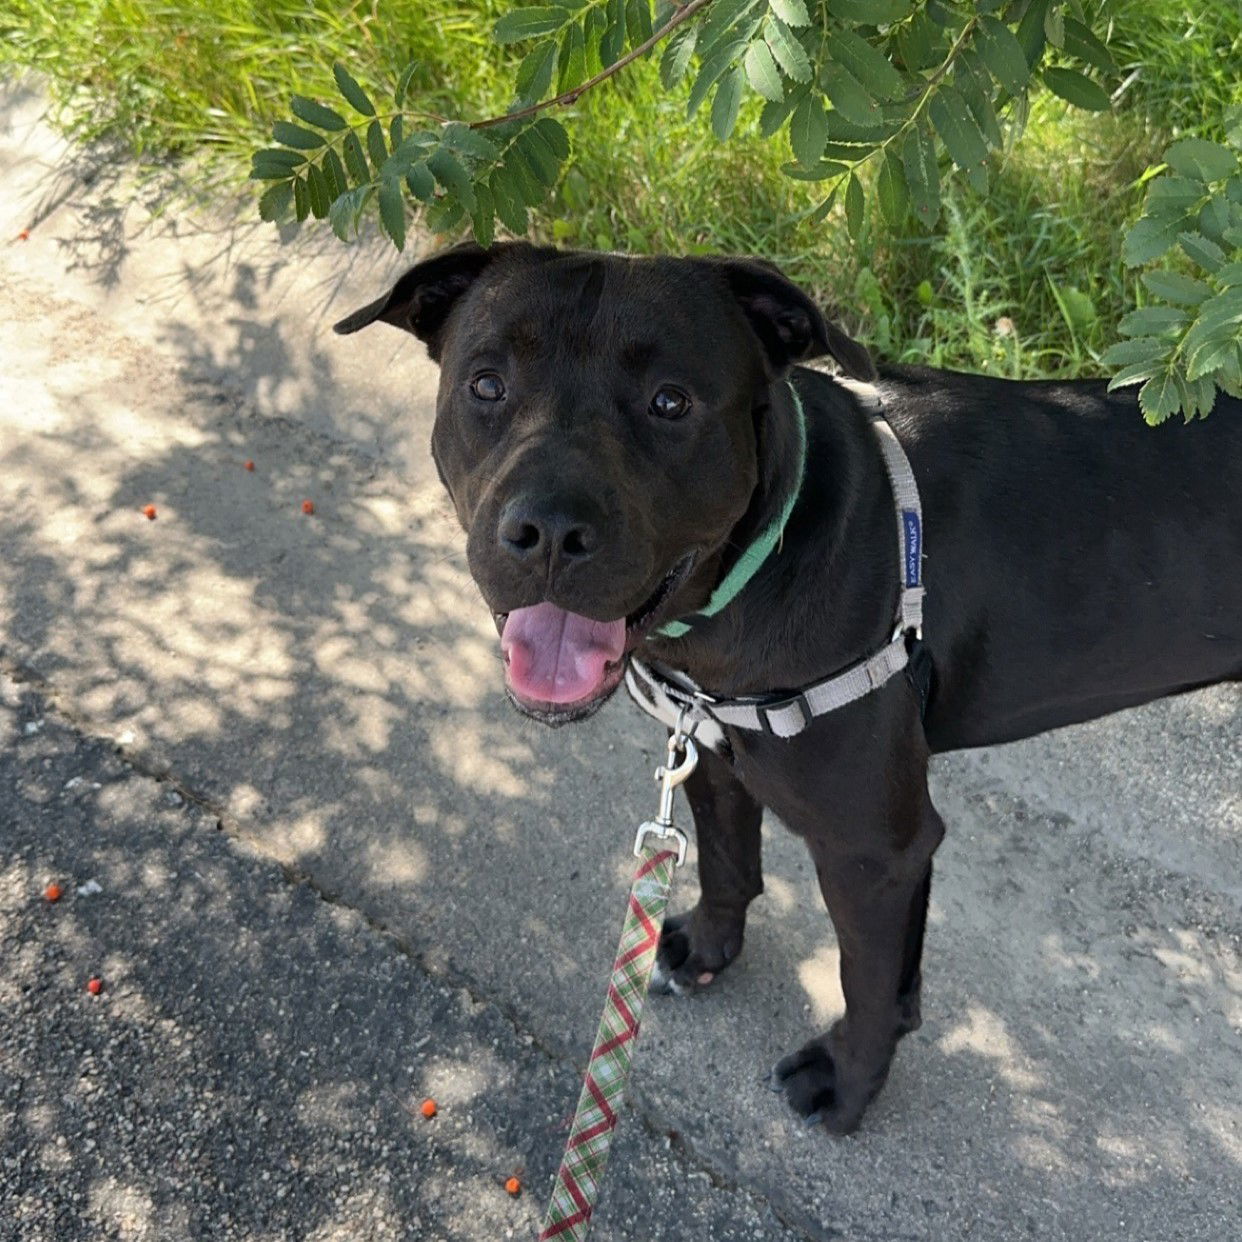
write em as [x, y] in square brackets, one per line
[488, 386]
[670, 403]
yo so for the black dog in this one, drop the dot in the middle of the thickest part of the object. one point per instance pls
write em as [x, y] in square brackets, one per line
[617, 433]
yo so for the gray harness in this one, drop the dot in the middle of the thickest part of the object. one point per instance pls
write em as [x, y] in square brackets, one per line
[655, 689]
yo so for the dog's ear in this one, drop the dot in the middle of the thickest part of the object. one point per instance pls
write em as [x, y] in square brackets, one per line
[789, 325]
[421, 300]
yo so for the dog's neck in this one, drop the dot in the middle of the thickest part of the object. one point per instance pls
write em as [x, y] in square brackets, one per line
[825, 597]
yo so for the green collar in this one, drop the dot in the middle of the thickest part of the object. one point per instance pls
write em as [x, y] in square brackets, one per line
[759, 550]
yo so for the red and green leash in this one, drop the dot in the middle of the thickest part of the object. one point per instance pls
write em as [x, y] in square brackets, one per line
[590, 1137]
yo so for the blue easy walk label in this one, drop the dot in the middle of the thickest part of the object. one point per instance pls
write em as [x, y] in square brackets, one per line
[913, 533]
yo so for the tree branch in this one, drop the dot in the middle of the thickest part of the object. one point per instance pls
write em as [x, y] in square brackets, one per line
[683, 14]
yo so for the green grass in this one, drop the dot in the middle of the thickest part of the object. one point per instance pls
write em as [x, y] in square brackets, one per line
[1025, 281]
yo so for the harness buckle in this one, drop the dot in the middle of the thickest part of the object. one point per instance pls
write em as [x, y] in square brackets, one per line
[795, 700]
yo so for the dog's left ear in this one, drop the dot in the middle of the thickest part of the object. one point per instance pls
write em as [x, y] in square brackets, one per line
[422, 299]
[789, 325]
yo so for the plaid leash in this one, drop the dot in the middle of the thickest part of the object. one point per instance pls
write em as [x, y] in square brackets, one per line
[590, 1137]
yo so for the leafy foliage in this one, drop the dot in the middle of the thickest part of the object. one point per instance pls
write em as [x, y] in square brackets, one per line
[847, 81]
[1187, 342]
[880, 103]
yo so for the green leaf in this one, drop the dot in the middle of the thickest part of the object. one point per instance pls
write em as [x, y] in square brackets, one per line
[957, 128]
[1201, 250]
[275, 201]
[317, 188]
[869, 12]
[445, 215]
[396, 131]
[612, 43]
[918, 158]
[1145, 349]
[1174, 287]
[301, 199]
[1077, 89]
[1230, 275]
[538, 155]
[1136, 372]
[354, 94]
[848, 96]
[1159, 398]
[891, 191]
[553, 133]
[392, 210]
[420, 181]
[295, 136]
[1031, 37]
[449, 172]
[1082, 43]
[762, 73]
[711, 69]
[355, 160]
[718, 25]
[538, 19]
[483, 217]
[509, 204]
[459, 137]
[1003, 55]
[677, 55]
[726, 103]
[773, 116]
[403, 82]
[316, 114]
[1203, 160]
[1215, 217]
[916, 43]
[1148, 240]
[821, 171]
[275, 163]
[377, 148]
[343, 215]
[854, 207]
[867, 64]
[571, 63]
[791, 12]
[789, 53]
[638, 21]
[1054, 26]
[534, 75]
[334, 173]
[1152, 320]
[808, 130]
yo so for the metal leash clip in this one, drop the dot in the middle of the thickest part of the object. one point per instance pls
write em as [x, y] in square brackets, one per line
[683, 758]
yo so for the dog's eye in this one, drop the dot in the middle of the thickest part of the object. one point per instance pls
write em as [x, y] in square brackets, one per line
[488, 386]
[670, 403]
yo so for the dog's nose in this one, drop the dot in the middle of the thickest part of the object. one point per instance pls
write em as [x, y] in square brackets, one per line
[546, 533]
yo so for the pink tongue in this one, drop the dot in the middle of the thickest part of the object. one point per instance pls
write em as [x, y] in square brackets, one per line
[555, 656]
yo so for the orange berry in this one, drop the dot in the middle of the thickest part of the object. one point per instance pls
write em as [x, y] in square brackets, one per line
[429, 1108]
[24, 235]
[53, 892]
[250, 465]
[308, 506]
[94, 986]
[514, 1187]
[149, 511]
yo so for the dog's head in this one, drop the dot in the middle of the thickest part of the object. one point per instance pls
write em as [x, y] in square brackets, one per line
[604, 426]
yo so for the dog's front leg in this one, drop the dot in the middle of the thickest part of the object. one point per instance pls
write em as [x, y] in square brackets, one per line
[696, 946]
[878, 906]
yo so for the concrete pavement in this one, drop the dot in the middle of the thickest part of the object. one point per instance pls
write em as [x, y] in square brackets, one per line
[327, 687]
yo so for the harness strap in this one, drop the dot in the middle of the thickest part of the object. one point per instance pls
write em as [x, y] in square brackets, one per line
[788, 715]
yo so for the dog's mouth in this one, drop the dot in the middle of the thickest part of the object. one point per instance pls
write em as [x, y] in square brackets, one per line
[561, 666]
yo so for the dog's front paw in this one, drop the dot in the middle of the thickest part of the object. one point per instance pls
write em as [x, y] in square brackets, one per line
[825, 1086]
[694, 949]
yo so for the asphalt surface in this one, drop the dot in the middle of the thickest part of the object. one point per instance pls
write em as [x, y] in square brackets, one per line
[394, 841]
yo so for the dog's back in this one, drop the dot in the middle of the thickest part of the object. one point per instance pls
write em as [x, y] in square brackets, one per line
[1078, 560]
